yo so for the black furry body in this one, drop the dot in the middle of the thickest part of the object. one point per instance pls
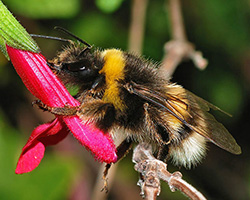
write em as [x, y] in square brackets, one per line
[136, 98]
[133, 117]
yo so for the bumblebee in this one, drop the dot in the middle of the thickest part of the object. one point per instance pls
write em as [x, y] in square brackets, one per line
[121, 91]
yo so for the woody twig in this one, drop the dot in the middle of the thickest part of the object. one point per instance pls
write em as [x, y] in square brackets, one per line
[137, 25]
[153, 170]
[179, 48]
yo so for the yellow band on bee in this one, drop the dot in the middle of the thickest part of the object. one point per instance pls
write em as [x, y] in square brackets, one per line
[113, 69]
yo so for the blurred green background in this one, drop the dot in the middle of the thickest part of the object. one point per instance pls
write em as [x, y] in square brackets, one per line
[220, 29]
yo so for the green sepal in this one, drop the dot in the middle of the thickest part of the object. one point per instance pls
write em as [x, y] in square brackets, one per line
[13, 34]
[2, 47]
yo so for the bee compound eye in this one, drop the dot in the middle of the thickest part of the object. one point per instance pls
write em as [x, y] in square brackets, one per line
[74, 67]
[82, 68]
[86, 73]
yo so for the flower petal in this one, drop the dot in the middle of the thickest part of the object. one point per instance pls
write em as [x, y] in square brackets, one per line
[93, 139]
[39, 79]
[33, 151]
[30, 159]
[42, 83]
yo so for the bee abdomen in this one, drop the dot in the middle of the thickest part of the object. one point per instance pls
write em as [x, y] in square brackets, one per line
[189, 151]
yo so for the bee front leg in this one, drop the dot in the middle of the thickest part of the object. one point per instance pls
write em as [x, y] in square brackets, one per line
[65, 111]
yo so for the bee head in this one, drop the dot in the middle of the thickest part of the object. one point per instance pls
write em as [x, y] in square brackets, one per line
[75, 63]
[84, 68]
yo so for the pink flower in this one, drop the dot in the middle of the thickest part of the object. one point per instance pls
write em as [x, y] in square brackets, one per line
[42, 83]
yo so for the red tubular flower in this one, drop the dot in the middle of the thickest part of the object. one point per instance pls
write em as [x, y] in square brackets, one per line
[42, 83]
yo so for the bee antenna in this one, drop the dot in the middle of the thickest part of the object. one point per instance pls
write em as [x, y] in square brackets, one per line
[72, 35]
[50, 37]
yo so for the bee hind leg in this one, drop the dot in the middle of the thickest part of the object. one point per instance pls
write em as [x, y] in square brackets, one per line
[162, 154]
[65, 111]
[122, 150]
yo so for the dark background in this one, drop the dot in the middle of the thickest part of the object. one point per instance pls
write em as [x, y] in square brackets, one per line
[220, 29]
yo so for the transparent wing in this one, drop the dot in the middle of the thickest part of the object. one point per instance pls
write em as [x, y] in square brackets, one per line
[190, 110]
[208, 126]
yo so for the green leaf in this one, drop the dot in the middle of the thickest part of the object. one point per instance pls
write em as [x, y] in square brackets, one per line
[45, 9]
[108, 6]
[13, 34]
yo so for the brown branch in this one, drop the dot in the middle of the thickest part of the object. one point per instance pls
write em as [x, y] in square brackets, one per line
[179, 48]
[154, 170]
[136, 34]
[176, 20]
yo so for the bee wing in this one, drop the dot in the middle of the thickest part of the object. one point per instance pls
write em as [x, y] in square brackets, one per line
[190, 110]
[208, 126]
[155, 98]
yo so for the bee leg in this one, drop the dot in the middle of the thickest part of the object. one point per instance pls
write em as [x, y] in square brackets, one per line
[159, 133]
[104, 177]
[50, 64]
[66, 110]
[151, 125]
[122, 150]
[99, 112]
[163, 153]
[164, 146]
[98, 82]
